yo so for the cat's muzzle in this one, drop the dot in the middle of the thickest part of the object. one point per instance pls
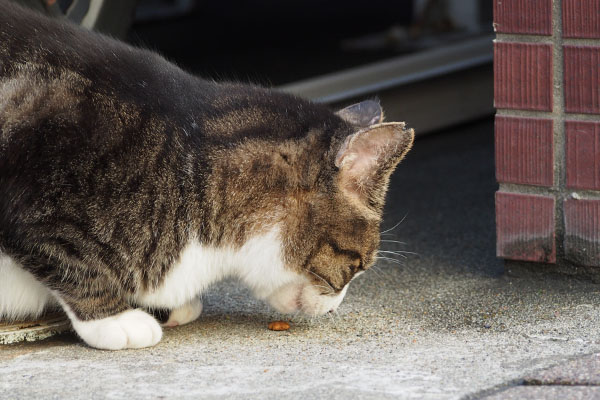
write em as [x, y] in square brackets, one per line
[306, 298]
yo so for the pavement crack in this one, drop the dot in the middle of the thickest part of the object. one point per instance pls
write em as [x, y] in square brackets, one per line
[538, 382]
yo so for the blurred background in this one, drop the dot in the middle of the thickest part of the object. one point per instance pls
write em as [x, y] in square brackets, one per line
[428, 61]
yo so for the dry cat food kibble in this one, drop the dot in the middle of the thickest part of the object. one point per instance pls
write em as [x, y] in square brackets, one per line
[279, 326]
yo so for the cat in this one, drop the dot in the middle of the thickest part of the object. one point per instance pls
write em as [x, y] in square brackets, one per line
[127, 184]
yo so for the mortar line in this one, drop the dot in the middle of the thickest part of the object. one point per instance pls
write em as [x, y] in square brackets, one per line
[559, 126]
[581, 41]
[522, 38]
[507, 112]
[530, 189]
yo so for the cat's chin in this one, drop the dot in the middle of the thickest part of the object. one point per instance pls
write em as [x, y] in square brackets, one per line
[305, 298]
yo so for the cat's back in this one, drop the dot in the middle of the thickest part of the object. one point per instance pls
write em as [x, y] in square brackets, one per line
[56, 62]
[30, 40]
[50, 67]
[89, 90]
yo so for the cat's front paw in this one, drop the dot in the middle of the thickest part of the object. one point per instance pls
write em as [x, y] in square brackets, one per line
[187, 313]
[131, 329]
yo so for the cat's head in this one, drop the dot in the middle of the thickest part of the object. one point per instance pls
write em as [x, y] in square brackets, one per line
[330, 226]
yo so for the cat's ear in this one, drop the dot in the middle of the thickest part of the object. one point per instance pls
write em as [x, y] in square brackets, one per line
[363, 114]
[367, 158]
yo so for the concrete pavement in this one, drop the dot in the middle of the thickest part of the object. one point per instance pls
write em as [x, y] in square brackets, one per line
[447, 323]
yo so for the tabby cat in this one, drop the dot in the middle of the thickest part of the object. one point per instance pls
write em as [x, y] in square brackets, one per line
[129, 184]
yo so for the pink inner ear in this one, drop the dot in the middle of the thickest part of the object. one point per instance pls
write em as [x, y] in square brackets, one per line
[365, 156]
[364, 153]
[364, 150]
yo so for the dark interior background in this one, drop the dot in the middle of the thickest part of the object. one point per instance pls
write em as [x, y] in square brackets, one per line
[269, 41]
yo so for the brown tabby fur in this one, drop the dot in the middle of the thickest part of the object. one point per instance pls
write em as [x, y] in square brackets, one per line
[112, 159]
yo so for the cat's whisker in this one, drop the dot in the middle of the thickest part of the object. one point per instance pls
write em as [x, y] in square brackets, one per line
[294, 316]
[402, 253]
[331, 318]
[301, 317]
[395, 226]
[392, 241]
[382, 273]
[407, 252]
[390, 259]
[324, 287]
[376, 271]
[392, 252]
[323, 279]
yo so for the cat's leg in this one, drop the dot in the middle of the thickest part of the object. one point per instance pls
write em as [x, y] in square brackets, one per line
[123, 328]
[187, 313]
[94, 296]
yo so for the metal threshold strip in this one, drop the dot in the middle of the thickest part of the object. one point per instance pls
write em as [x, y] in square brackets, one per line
[42, 328]
[407, 76]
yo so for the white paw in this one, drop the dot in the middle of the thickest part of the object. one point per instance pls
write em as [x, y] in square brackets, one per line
[131, 329]
[187, 313]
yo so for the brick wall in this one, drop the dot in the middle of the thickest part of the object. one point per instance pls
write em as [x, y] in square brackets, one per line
[547, 95]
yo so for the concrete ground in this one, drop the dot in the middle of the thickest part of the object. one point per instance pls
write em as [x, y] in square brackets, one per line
[446, 323]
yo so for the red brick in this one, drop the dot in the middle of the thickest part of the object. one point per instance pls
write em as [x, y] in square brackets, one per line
[583, 154]
[524, 150]
[523, 76]
[582, 79]
[581, 18]
[582, 231]
[525, 227]
[523, 16]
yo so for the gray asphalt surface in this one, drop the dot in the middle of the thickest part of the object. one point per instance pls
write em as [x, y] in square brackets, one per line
[446, 323]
